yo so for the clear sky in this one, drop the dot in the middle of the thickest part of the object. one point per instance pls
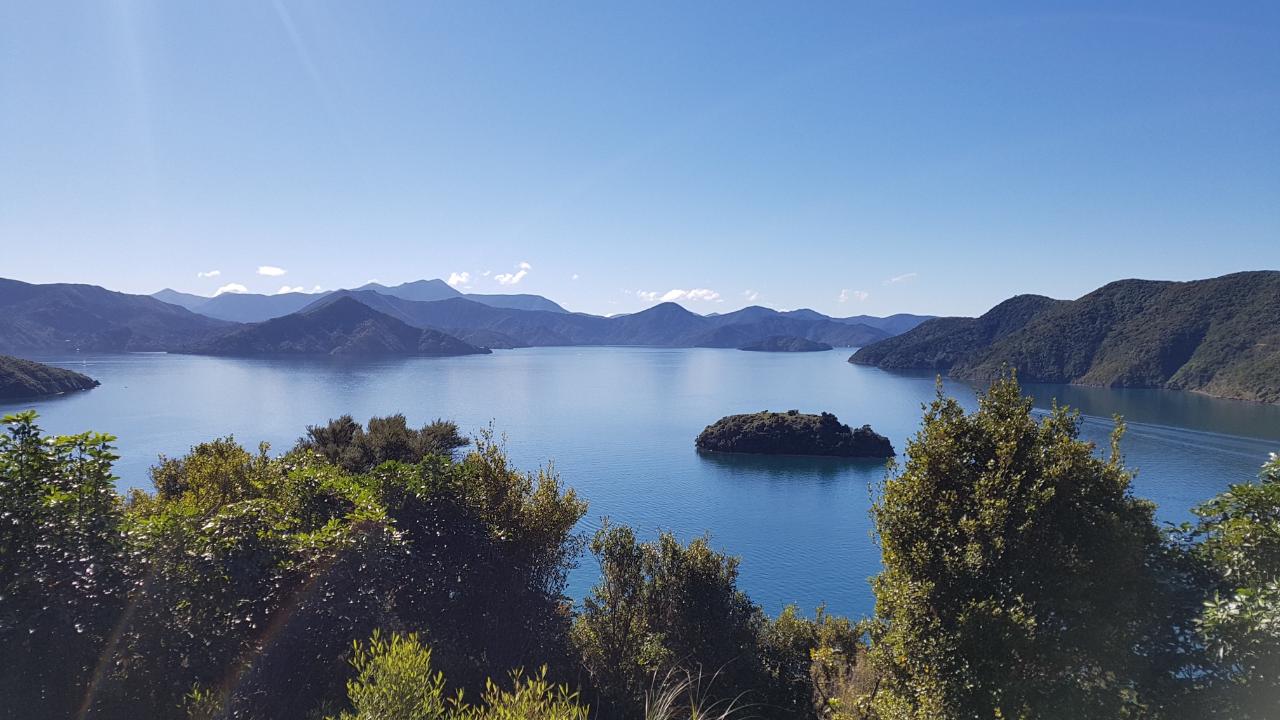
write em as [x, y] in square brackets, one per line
[851, 157]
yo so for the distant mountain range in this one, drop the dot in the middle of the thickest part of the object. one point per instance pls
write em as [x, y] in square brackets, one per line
[43, 318]
[1220, 337]
[61, 317]
[250, 308]
[665, 324]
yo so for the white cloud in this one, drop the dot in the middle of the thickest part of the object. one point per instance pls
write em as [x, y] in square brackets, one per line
[486, 273]
[286, 289]
[847, 295]
[515, 277]
[750, 295]
[677, 294]
[231, 288]
[573, 276]
[459, 278]
[209, 274]
[907, 277]
[271, 270]
[317, 289]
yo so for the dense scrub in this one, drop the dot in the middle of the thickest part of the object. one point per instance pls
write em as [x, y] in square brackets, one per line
[792, 433]
[370, 573]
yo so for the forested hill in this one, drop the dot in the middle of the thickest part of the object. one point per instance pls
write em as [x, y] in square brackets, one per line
[340, 327]
[1219, 336]
[20, 379]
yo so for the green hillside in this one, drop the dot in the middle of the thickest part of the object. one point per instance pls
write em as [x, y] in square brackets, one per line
[1217, 336]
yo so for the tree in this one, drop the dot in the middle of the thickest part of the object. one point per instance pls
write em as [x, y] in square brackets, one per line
[1239, 541]
[1020, 576]
[62, 565]
[395, 680]
[254, 574]
[664, 611]
[346, 444]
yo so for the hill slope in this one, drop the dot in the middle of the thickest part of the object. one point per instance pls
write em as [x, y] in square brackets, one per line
[940, 343]
[27, 379]
[1218, 336]
[59, 317]
[341, 327]
[785, 343]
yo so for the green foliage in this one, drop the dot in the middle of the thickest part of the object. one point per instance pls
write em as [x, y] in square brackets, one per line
[1019, 572]
[237, 588]
[395, 680]
[1021, 580]
[663, 609]
[61, 563]
[346, 444]
[1239, 534]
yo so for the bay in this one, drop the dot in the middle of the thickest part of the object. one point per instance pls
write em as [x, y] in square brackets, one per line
[618, 423]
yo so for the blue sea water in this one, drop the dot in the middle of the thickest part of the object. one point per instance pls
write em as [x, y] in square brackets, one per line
[618, 423]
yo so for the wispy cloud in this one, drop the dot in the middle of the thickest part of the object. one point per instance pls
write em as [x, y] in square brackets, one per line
[286, 289]
[703, 294]
[751, 295]
[897, 279]
[209, 273]
[231, 288]
[573, 276]
[515, 277]
[271, 270]
[459, 278]
[847, 295]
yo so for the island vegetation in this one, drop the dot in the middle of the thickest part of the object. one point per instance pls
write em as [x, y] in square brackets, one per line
[786, 343]
[21, 379]
[1217, 337]
[791, 433]
[381, 571]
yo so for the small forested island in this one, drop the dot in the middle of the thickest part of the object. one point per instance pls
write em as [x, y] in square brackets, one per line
[21, 379]
[785, 343]
[792, 433]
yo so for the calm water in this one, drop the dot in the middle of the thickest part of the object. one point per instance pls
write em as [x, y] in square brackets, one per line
[619, 424]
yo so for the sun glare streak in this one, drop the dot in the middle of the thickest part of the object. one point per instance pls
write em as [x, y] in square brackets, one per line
[125, 24]
[322, 90]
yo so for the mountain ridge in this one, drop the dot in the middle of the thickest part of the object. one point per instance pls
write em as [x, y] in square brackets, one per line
[1216, 336]
[342, 327]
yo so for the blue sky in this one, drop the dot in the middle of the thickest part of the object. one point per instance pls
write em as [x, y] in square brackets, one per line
[850, 157]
